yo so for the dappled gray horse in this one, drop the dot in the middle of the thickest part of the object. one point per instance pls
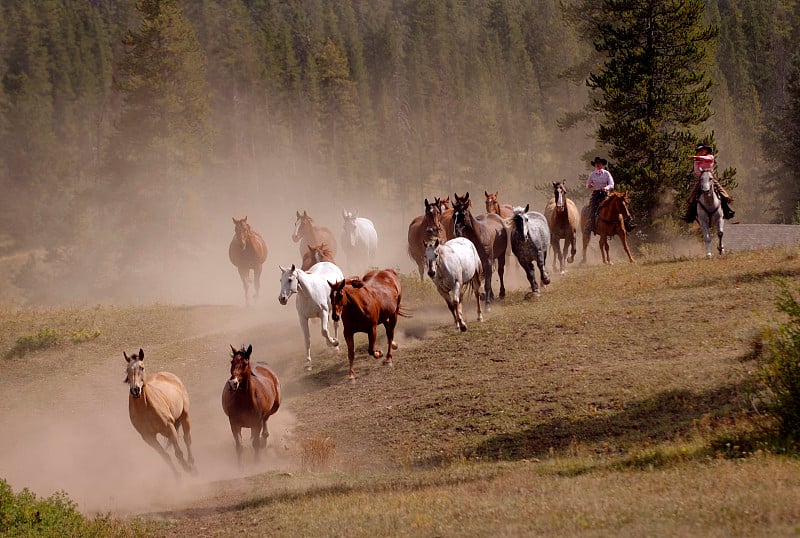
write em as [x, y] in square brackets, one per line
[530, 238]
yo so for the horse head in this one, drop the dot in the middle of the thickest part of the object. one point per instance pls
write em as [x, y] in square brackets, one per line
[461, 214]
[560, 194]
[242, 230]
[135, 372]
[519, 221]
[433, 221]
[300, 226]
[432, 255]
[337, 298]
[705, 181]
[492, 205]
[350, 226]
[240, 368]
[288, 283]
[443, 204]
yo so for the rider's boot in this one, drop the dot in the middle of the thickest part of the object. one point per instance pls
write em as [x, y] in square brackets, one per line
[691, 213]
[727, 212]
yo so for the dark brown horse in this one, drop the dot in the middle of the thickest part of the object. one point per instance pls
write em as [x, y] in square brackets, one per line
[251, 395]
[488, 234]
[422, 229]
[612, 213]
[247, 251]
[562, 218]
[363, 304]
[307, 233]
[316, 254]
[493, 206]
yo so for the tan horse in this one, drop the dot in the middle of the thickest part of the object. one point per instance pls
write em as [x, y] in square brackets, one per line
[562, 218]
[612, 213]
[247, 251]
[493, 206]
[307, 233]
[159, 404]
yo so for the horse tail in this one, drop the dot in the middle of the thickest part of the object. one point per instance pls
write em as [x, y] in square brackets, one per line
[403, 312]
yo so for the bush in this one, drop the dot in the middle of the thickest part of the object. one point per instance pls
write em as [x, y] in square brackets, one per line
[44, 338]
[778, 373]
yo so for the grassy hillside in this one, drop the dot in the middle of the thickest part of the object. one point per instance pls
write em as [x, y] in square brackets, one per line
[616, 403]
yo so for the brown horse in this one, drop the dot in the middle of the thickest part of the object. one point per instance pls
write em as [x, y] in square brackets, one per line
[307, 233]
[423, 229]
[159, 404]
[562, 218]
[362, 304]
[251, 395]
[316, 254]
[612, 213]
[247, 251]
[493, 206]
[488, 234]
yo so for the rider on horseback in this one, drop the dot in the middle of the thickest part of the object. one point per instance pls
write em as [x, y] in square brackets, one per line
[602, 183]
[704, 160]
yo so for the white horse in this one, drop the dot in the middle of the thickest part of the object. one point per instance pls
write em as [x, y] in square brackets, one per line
[313, 298]
[359, 240]
[454, 266]
[709, 212]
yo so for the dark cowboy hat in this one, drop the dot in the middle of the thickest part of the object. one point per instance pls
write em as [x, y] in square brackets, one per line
[599, 160]
[701, 147]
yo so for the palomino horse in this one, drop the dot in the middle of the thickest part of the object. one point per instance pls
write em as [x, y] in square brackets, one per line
[313, 299]
[493, 206]
[307, 233]
[530, 237]
[562, 218]
[247, 251]
[251, 395]
[454, 267]
[488, 234]
[423, 229]
[316, 254]
[610, 221]
[159, 404]
[364, 303]
[709, 212]
[359, 240]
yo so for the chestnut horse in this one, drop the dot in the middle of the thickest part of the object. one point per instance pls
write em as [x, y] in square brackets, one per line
[488, 233]
[493, 206]
[610, 222]
[562, 218]
[250, 396]
[423, 229]
[362, 304]
[307, 233]
[247, 251]
[159, 404]
[316, 254]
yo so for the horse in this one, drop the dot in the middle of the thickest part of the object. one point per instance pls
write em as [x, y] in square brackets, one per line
[362, 304]
[307, 233]
[423, 229]
[709, 212]
[530, 237]
[488, 234]
[316, 254]
[610, 221]
[250, 396]
[562, 218]
[247, 251]
[159, 404]
[454, 267]
[493, 206]
[359, 239]
[313, 299]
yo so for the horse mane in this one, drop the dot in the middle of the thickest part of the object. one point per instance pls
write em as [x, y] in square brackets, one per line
[322, 248]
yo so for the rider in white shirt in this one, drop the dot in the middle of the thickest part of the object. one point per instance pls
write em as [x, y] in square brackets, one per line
[601, 182]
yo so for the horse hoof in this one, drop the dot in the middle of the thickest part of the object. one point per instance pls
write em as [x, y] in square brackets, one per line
[388, 362]
[333, 342]
[308, 367]
[462, 328]
[378, 354]
[531, 295]
[394, 344]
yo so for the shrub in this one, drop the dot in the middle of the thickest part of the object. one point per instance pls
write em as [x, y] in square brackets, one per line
[44, 338]
[83, 334]
[778, 372]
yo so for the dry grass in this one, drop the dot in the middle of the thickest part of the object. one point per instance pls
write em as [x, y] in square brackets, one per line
[317, 454]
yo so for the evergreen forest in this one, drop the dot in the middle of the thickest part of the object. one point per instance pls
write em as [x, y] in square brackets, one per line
[129, 127]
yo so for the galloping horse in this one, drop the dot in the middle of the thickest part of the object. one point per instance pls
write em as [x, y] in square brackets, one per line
[247, 251]
[454, 267]
[562, 218]
[159, 404]
[250, 396]
[307, 233]
[423, 229]
[488, 234]
[610, 221]
[530, 237]
[313, 299]
[709, 212]
[359, 240]
[364, 303]
[493, 206]
[316, 254]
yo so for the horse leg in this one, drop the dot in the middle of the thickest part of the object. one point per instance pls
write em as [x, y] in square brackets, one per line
[389, 326]
[421, 269]
[325, 333]
[541, 262]
[351, 353]
[244, 274]
[476, 287]
[531, 274]
[264, 433]
[586, 238]
[624, 237]
[306, 338]
[487, 283]
[501, 270]
[571, 241]
[604, 249]
[237, 439]
[255, 440]
[456, 308]
[150, 439]
[371, 337]
[451, 305]
[256, 281]
[187, 436]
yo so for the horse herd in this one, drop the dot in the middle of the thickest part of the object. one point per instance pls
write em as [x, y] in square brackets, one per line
[456, 248]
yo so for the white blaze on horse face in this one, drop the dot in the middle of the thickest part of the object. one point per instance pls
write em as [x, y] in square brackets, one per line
[135, 377]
